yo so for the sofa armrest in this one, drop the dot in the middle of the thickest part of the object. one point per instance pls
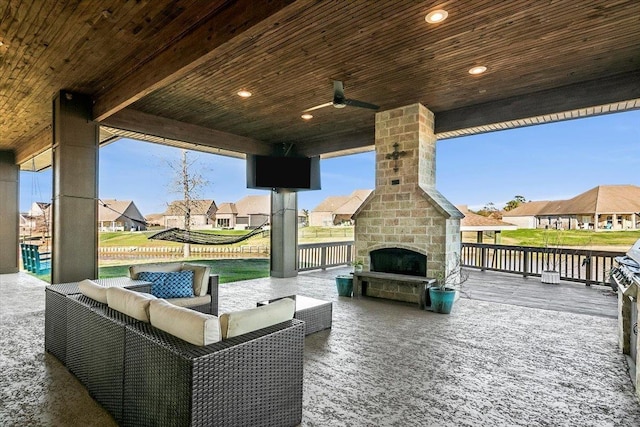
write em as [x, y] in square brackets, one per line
[214, 280]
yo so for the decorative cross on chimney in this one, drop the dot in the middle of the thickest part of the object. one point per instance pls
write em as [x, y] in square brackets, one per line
[395, 155]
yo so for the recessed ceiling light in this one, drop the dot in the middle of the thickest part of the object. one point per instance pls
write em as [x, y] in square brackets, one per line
[436, 16]
[306, 116]
[477, 70]
[244, 93]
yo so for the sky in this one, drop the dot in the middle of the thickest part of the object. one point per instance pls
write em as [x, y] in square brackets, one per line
[543, 162]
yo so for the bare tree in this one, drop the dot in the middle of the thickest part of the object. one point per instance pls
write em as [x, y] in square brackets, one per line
[187, 183]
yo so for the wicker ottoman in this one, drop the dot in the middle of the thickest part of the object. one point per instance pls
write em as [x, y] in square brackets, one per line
[315, 313]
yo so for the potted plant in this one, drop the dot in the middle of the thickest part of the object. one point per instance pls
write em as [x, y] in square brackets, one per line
[552, 259]
[344, 283]
[357, 265]
[448, 283]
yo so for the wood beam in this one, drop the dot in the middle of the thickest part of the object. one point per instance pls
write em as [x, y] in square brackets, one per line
[346, 143]
[193, 49]
[137, 121]
[34, 146]
[604, 91]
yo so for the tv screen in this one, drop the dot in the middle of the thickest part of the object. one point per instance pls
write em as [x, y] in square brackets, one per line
[294, 173]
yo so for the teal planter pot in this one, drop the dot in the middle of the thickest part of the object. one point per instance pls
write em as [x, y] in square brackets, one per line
[344, 285]
[442, 301]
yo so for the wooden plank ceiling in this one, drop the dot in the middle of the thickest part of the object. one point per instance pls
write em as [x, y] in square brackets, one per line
[170, 70]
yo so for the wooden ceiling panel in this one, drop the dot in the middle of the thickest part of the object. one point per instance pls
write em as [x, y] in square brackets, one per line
[387, 55]
[183, 61]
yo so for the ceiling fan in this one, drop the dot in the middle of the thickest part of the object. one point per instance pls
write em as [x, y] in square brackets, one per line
[339, 101]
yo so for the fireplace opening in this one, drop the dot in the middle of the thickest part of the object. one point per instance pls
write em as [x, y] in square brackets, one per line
[398, 261]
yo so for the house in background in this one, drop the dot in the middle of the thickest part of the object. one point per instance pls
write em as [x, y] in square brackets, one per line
[154, 219]
[605, 207]
[120, 215]
[337, 210]
[202, 214]
[226, 215]
[253, 211]
[36, 222]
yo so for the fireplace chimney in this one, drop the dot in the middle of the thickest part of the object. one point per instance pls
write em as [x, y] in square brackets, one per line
[405, 210]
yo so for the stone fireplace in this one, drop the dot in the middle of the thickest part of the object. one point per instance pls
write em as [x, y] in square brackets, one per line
[406, 215]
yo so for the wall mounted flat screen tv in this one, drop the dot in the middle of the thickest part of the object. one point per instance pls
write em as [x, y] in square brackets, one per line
[292, 173]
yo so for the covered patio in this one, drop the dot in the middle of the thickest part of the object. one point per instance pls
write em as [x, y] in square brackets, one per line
[81, 75]
[493, 361]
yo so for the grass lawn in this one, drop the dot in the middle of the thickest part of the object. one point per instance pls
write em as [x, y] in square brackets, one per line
[229, 270]
[306, 235]
[538, 237]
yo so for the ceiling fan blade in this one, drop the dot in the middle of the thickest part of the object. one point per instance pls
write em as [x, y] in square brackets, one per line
[338, 89]
[326, 104]
[361, 104]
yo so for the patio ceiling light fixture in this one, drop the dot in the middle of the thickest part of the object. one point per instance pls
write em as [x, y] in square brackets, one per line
[477, 70]
[244, 93]
[436, 16]
[306, 116]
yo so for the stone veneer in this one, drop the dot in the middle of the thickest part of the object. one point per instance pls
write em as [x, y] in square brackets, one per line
[405, 210]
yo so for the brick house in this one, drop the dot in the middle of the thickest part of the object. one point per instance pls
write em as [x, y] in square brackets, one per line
[605, 207]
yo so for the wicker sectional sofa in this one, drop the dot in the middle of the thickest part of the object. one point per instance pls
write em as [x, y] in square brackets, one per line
[145, 376]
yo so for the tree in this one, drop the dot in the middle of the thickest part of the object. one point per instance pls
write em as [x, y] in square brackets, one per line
[488, 209]
[187, 183]
[512, 204]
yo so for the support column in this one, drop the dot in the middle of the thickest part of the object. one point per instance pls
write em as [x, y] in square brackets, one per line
[9, 213]
[284, 233]
[75, 189]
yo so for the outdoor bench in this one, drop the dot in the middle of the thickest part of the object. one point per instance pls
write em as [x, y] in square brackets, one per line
[418, 284]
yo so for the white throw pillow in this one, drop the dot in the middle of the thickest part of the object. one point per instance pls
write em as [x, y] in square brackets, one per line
[242, 322]
[93, 290]
[192, 326]
[134, 304]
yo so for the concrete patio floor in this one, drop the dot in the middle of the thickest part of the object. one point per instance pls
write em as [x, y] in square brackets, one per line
[494, 361]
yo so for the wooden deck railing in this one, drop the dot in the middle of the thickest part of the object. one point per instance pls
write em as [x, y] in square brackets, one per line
[322, 255]
[577, 265]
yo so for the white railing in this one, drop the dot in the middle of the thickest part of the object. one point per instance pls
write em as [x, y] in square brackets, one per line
[322, 255]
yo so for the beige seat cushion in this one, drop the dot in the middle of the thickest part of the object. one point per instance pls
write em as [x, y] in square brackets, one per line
[93, 290]
[201, 273]
[134, 304]
[242, 322]
[192, 326]
[190, 302]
